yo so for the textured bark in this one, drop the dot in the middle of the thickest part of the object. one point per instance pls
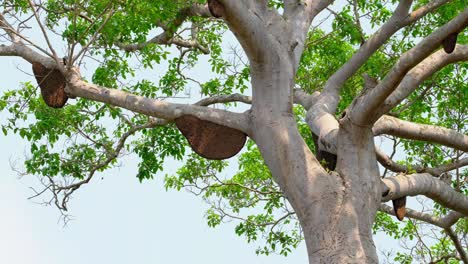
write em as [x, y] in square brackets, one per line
[336, 209]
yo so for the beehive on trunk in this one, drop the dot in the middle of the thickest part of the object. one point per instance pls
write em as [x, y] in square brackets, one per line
[210, 140]
[52, 84]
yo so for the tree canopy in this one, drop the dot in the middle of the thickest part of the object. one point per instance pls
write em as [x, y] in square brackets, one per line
[128, 67]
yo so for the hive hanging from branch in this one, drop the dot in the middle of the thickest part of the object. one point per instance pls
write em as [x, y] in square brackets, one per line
[210, 140]
[399, 207]
[52, 84]
[450, 42]
[216, 8]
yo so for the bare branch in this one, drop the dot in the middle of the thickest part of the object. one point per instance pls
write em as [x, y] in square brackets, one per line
[305, 99]
[8, 29]
[442, 222]
[460, 249]
[300, 15]
[399, 19]
[388, 163]
[17, 37]
[404, 129]
[151, 107]
[21, 50]
[78, 87]
[44, 32]
[425, 184]
[225, 99]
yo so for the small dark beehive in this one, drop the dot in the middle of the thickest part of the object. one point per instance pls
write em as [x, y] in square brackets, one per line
[399, 206]
[450, 42]
[52, 84]
[210, 140]
[330, 159]
[216, 8]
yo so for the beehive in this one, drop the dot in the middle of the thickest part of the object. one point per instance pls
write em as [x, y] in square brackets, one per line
[450, 42]
[399, 207]
[52, 84]
[210, 140]
[216, 8]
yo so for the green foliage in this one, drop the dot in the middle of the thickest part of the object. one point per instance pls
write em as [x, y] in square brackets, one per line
[250, 196]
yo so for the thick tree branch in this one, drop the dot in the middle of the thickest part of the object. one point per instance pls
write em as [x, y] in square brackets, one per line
[156, 108]
[320, 117]
[21, 50]
[399, 19]
[425, 184]
[420, 73]
[404, 129]
[221, 99]
[305, 99]
[169, 111]
[256, 27]
[62, 193]
[300, 15]
[363, 108]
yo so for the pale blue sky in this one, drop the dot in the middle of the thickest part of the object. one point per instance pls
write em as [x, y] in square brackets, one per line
[117, 219]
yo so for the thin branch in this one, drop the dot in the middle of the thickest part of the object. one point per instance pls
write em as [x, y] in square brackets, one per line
[94, 37]
[167, 37]
[442, 222]
[460, 249]
[44, 32]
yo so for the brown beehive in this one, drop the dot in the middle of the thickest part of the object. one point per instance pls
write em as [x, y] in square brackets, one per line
[216, 8]
[399, 207]
[450, 42]
[210, 140]
[52, 84]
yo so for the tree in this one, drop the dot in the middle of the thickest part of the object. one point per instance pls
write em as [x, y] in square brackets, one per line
[320, 99]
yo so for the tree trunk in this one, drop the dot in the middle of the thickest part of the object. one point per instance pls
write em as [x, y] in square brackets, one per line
[336, 209]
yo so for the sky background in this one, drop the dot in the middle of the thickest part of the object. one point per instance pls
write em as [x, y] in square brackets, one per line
[116, 219]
